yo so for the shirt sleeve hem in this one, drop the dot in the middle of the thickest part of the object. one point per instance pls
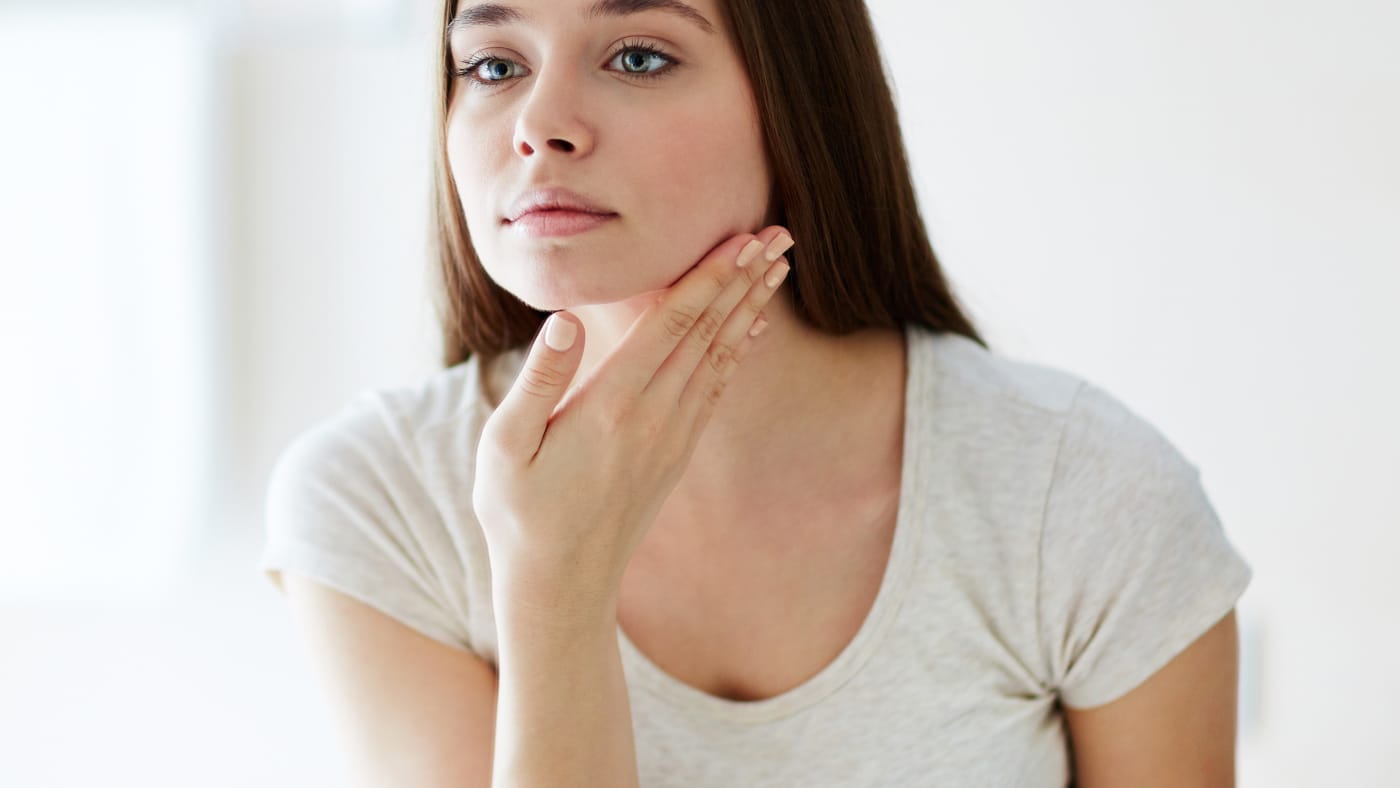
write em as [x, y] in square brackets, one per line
[1205, 611]
[342, 574]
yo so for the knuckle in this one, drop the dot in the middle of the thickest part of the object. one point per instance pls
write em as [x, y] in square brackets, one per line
[677, 322]
[713, 392]
[542, 380]
[611, 416]
[708, 324]
[616, 414]
[720, 357]
[636, 432]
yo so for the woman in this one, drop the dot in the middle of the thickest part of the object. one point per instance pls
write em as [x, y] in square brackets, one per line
[660, 540]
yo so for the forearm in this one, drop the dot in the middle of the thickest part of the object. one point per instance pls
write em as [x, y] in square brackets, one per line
[562, 716]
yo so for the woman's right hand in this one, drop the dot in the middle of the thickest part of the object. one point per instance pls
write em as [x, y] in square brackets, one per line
[564, 496]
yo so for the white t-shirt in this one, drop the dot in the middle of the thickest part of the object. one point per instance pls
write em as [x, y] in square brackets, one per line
[1050, 545]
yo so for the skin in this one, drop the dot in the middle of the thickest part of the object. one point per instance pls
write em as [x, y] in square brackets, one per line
[681, 159]
[1178, 728]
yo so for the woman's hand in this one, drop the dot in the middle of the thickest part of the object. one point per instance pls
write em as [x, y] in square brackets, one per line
[564, 497]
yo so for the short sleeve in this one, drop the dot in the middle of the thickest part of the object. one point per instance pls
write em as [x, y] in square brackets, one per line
[345, 507]
[1134, 562]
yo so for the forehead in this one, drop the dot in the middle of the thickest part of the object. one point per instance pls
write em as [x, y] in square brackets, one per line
[492, 13]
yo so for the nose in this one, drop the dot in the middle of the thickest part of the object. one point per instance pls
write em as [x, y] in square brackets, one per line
[549, 118]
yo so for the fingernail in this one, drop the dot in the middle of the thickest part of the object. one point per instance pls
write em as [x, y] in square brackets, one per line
[560, 333]
[776, 274]
[758, 326]
[747, 253]
[779, 245]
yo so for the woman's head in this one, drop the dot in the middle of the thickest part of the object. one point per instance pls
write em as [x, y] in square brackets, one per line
[691, 121]
[649, 115]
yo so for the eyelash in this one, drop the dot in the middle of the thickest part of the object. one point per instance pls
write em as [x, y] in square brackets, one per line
[468, 69]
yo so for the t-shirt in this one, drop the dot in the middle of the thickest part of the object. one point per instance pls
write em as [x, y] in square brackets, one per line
[1051, 546]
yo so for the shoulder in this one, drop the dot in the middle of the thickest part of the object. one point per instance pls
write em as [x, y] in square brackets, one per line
[995, 417]
[964, 373]
[1109, 454]
[1089, 422]
[377, 434]
[354, 502]
[1051, 457]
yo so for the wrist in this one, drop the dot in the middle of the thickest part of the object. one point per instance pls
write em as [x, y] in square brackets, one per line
[546, 594]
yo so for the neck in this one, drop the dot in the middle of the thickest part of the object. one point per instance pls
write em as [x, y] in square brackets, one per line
[807, 417]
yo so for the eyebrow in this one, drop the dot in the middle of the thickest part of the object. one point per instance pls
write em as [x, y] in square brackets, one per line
[496, 15]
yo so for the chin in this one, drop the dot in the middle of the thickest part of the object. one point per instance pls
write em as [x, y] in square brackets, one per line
[553, 299]
[554, 285]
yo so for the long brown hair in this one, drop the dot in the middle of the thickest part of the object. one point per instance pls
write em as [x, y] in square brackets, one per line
[841, 185]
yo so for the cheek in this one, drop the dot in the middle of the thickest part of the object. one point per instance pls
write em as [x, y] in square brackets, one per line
[704, 179]
[476, 178]
[468, 145]
[704, 174]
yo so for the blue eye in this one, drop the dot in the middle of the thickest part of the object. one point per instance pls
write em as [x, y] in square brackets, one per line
[500, 67]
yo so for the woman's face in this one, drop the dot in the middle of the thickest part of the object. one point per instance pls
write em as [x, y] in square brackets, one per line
[669, 142]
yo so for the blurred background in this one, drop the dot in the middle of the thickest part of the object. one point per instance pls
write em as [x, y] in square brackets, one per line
[213, 219]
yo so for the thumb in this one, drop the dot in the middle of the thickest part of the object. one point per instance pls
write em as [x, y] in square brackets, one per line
[543, 380]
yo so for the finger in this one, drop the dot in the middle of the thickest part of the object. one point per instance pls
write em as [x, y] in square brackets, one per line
[518, 423]
[685, 305]
[711, 377]
[700, 349]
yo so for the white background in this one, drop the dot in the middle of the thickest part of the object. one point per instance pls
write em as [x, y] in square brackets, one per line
[212, 221]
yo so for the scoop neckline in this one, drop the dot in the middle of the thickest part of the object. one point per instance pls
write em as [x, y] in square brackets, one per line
[877, 621]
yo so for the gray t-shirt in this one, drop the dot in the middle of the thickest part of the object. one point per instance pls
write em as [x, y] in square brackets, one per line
[1051, 546]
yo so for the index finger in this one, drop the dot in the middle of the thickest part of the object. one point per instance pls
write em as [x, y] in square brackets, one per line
[659, 330]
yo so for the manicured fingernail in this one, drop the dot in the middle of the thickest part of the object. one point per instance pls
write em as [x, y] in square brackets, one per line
[776, 274]
[779, 245]
[747, 253]
[758, 326]
[560, 333]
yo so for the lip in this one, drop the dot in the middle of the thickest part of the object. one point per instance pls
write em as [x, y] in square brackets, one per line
[545, 224]
[553, 198]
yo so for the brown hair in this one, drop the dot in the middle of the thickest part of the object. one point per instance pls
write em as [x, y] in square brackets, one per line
[841, 185]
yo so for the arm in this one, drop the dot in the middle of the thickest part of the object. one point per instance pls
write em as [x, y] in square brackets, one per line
[1176, 729]
[410, 711]
[562, 716]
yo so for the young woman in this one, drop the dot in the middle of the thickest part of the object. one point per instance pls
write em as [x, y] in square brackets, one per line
[661, 540]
